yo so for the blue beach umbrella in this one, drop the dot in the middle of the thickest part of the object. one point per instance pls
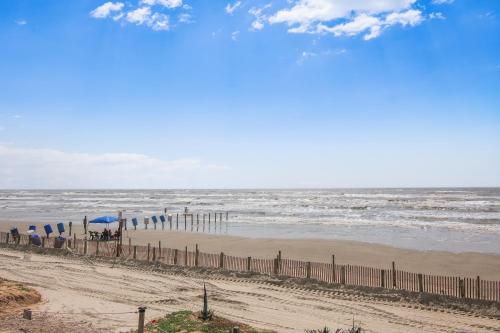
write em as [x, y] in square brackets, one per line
[104, 219]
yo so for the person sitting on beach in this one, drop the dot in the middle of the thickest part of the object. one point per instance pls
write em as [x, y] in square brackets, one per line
[105, 234]
[35, 240]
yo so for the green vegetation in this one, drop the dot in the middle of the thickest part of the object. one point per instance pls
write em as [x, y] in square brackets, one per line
[327, 330]
[191, 322]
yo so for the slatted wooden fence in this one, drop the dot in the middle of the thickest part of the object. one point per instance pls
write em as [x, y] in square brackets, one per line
[462, 287]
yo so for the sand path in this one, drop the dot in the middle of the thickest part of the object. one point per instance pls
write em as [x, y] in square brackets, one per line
[86, 290]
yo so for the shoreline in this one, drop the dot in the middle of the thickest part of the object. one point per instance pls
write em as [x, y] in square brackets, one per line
[464, 264]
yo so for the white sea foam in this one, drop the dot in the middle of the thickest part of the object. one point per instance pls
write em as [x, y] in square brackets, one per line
[438, 216]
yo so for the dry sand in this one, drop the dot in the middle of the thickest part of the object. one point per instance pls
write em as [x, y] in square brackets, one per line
[87, 290]
[346, 252]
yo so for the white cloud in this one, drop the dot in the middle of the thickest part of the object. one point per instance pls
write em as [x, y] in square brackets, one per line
[21, 22]
[372, 26]
[359, 24]
[106, 9]
[143, 15]
[151, 13]
[164, 3]
[347, 17]
[257, 25]
[185, 18]
[230, 8]
[260, 17]
[411, 17]
[437, 16]
[50, 168]
[234, 35]
[139, 16]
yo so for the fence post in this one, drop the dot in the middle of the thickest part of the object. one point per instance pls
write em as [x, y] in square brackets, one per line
[43, 241]
[420, 283]
[478, 287]
[177, 221]
[129, 245]
[196, 254]
[333, 267]
[97, 248]
[140, 327]
[185, 221]
[342, 274]
[154, 254]
[149, 250]
[308, 270]
[70, 226]
[175, 256]
[279, 255]
[382, 278]
[186, 256]
[159, 249]
[275, 270]
[249, 261]
[27, 314]
[74, 241]
[394, 275]
[135, 252]
[7, 235]
[221, 260]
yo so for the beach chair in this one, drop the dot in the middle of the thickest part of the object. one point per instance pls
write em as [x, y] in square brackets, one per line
[155, 220]
[162, 219]
[134, 223]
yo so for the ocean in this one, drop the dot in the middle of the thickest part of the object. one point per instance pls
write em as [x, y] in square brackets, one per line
[450, 219]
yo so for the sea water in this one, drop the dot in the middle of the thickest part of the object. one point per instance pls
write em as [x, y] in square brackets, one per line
[451, 219]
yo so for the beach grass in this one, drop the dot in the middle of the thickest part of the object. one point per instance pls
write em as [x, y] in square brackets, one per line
[188, 321]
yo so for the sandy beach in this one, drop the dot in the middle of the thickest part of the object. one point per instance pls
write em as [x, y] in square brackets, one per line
[487, 266]
[85, 289]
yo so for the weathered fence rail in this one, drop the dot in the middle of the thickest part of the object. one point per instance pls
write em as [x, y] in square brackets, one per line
[461, 287]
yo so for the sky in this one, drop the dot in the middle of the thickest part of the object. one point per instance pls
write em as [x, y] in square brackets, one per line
[249, 93]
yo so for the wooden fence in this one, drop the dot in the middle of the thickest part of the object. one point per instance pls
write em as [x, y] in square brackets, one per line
[461, 287]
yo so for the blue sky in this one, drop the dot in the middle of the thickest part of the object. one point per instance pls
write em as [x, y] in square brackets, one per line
[299, 93]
